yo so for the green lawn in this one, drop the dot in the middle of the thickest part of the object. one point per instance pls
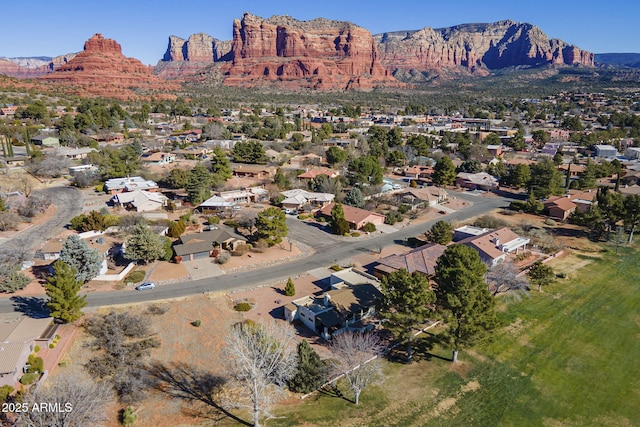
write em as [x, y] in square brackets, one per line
[569, 356]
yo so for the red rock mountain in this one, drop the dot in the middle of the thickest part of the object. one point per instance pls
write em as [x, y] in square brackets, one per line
[333, 54]
[476, 48]
[102, 70]
[285, 52]
[32, 67]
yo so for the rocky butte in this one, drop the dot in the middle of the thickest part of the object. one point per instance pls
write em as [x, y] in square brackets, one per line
[290, 54]
[102, 70]
[475, 48]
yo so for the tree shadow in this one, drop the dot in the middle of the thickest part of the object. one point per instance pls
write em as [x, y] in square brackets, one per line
[192, 385]
[334, 391]
[33, 307]
[424, 345]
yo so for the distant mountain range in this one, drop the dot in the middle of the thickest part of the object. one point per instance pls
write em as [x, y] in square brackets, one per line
[631, 60]
[336, 55]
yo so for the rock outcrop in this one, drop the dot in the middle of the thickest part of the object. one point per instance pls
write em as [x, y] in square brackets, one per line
[318, 54]
[102, 70]
[285, 52]
[32, 67]
[476, 48]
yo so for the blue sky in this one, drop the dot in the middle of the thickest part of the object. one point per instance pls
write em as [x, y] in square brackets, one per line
[142, 27]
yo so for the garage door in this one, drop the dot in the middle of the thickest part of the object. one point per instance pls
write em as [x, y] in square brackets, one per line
[201, 255]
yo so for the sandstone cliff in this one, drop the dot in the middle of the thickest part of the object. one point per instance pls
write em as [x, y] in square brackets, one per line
[282, 51]
[102, 70]
[32, 67]
[476, 48]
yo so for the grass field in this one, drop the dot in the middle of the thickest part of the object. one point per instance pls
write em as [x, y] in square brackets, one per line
[568, 356]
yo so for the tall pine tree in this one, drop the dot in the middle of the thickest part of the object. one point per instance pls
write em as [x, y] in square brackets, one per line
[463, 297]
[406, 303]
[311, 371]
[62, 290]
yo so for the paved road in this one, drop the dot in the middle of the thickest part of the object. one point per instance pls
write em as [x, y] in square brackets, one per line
[68, 201]
[325, 254]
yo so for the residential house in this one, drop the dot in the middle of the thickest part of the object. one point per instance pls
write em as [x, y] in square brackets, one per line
[118, 185]
[632, 153]
[303, 161]
[208, 243]
[74, 153]
[494, 245]
[422, 260]
[18, 340]
[477, 181]
[9, 110]
[216, 205]
[561, 207]
[467, 231]
[494, 150]
[140, 200]
[573, 169]
[158, 159]
[257, 194]
[313, 173]
[298, 199]
[45, 140]
[254, 171]
[356, 217]
[605, 151]
[348, 304]
[429, 196]
[82, 168]
[418, 172]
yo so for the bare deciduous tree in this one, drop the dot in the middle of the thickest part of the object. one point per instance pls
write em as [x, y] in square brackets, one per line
[76, 402]
[261, 358]
[355, 357]
[503, 277]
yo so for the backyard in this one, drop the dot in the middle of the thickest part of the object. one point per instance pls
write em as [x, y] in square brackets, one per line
[566, 356]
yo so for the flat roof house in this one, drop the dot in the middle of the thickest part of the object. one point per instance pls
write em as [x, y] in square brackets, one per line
[494, 245]
[345, 307]
[18, 340]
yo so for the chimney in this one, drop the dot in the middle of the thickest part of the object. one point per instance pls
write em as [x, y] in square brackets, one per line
[327, 300]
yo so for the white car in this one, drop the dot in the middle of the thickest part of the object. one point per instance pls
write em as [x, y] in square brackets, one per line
[146, 285]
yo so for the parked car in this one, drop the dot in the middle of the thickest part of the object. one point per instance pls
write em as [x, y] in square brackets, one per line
[146, 285]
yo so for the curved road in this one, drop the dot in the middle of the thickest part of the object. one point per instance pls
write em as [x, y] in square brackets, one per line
[68, 201]
[328, 250]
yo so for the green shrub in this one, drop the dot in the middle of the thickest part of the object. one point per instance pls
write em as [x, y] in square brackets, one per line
[242, 306]
[57, 337]
[36, 349]
[213, 220]
[223, 258]
[176, 228]
[30, 378]
[518, 205]
[369, 227]
[355, 234]
[403, 209]
[550, 222]
[100, 188]
[128, 416]
[5, 391]
[290, 288]
[52, 345]
[135, 276]
[335, 267]
[36, 364]
[196, 323]
[392, 217]
[322, 219]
